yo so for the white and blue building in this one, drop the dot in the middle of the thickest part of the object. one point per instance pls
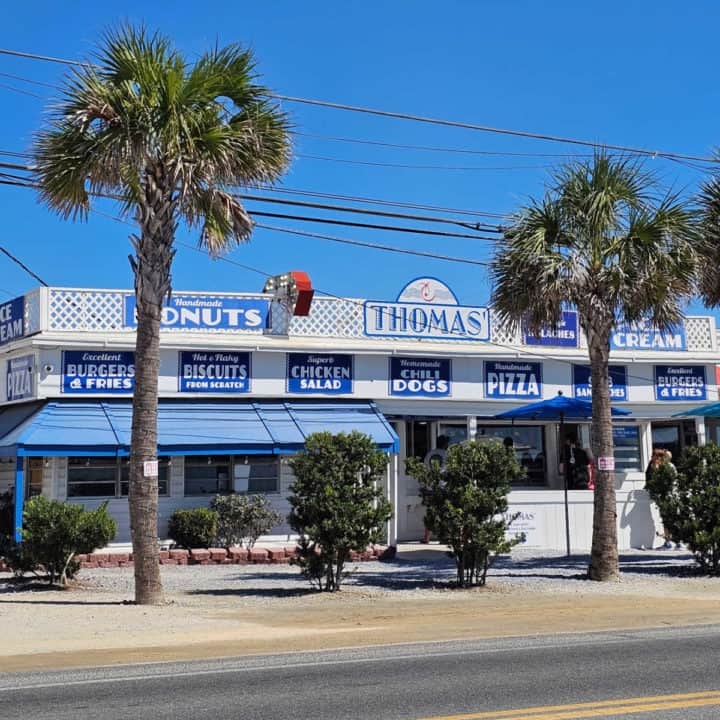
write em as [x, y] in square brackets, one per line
[242, 383]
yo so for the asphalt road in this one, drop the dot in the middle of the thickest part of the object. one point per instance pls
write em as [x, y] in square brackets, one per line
[661, 674]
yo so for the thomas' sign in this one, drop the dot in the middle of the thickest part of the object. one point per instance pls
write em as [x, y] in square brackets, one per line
[426, 308]
[564, 335]
[98, 371]
[210, 372]
[582, 382]
[20, 377]
[511, 379]
[680, 382]
[207, 312]
[12, 323]
[318, 373]
[419, 377]
[642, 336]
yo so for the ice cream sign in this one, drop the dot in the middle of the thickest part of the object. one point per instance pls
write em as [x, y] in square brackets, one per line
[426, 308]
[643, 336]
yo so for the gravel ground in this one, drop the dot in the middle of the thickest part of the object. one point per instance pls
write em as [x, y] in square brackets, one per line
[422, 572]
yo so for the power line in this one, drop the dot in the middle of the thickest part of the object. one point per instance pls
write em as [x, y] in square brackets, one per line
[304, 218]
[30, 80]
[371, 226]
[421, 118]
[360, 303]
[19, 262]
[5, 86]
[381, 213]
[434, 148]
[389, 203]
[417, 167]
[374, 246]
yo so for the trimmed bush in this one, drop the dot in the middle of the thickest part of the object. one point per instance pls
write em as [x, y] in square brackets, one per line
[55, 532]
[338, 504]
[196, 528]
[242, 519]
[465, 501]
[689, 502]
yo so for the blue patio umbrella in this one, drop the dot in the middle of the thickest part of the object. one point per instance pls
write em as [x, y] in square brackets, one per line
[559, 408]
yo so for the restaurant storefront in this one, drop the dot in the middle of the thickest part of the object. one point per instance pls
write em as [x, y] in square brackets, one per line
[243, 382]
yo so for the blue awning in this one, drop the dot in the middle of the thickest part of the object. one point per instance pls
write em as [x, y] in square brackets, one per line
[66, 428]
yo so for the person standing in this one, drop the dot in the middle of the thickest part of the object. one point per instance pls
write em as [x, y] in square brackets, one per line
[659, 458]
[575, 464]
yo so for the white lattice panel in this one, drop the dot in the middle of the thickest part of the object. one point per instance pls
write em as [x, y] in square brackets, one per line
[502, 334]
[32, 312]
[700, 333]
[331, 317]
[85, 310]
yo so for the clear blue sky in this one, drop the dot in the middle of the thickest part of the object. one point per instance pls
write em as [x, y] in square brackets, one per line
[622, 71]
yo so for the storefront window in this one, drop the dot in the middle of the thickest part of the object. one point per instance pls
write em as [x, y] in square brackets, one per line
[256, 473]
[626, 441]
[34, 476]
[106, 476]
[207, 474]
[528, 443]
[163, 474]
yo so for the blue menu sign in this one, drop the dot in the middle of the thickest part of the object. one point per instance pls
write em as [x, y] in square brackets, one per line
[582, 383]
[12, 320]
[564, 335]
[681, 383]
[207, 312]
[328, 374]
[643, 336]
[98, 371]
[419, 377]
[20, 377]
[214, 372]
[509, 379]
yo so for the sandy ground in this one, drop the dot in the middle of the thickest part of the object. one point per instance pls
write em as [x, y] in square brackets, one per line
[227, 611]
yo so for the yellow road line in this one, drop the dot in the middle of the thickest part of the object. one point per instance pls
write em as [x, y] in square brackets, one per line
[595, 709]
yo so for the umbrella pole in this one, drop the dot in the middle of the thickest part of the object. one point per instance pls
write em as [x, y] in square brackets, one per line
[565, 476]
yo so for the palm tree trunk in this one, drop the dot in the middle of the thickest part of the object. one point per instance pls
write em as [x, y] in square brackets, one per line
[604, 554]
[151, 265]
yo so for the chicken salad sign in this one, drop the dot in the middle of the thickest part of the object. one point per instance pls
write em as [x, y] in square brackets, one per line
[326, 374]
[426, 308]
[206, 312]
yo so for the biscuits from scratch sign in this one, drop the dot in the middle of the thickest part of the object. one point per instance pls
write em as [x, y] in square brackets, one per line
[426, 309]
[214, 372]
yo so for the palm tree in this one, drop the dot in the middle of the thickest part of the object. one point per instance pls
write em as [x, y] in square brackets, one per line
[168, 139]
[603, 241]
[709, 270]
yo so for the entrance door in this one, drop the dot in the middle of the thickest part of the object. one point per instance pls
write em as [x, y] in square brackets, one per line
[416, 440]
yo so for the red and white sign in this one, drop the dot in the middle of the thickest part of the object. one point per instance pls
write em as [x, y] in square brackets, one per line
[150, 468]
[606, 463]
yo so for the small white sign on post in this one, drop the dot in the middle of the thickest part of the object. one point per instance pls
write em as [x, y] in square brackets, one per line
[150, 468]
[606, 463]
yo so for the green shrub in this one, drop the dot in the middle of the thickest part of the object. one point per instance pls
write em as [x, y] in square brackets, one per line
[242, 519]
[689, 502]
[196, 528]
[55, 532]
[465, 501]
[337, 503]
